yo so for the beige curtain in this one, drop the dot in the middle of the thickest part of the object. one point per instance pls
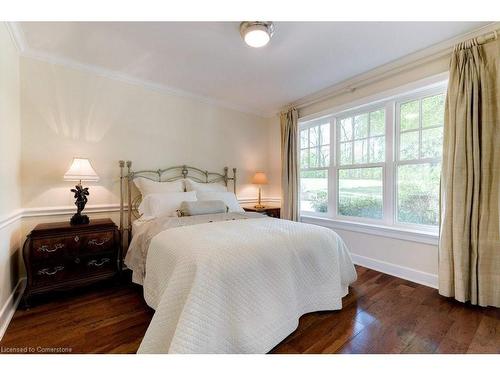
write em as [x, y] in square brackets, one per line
[469, 247]
[289, 165]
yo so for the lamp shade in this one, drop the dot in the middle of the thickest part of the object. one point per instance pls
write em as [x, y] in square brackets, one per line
[81, 170]
[259, 178]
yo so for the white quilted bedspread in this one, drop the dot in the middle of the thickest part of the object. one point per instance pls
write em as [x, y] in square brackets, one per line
[240, 286]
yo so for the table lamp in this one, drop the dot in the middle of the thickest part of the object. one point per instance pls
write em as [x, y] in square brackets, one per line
[80, 170]
[260, 179]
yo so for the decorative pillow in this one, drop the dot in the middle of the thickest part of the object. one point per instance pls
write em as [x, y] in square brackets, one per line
[147, 186]
[165, 204]
[199, 186]
[227, 197]
[202, 208]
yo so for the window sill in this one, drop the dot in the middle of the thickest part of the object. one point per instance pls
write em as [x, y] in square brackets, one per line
[430, 238]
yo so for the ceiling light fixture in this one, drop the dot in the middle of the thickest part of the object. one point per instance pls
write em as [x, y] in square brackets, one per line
[256, 33]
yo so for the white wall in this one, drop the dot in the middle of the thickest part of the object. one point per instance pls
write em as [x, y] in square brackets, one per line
[413, 260]
[68, 112]
[10, 171]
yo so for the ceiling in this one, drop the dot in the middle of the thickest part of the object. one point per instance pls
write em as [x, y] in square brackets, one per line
[209, 59]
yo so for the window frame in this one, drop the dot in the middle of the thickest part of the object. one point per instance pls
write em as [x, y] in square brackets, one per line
[337, 166]
[419, 95]
[307, 125]
[391, 105]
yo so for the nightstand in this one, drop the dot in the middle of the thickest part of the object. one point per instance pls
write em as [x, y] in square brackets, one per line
[268, 210]
[61, 256]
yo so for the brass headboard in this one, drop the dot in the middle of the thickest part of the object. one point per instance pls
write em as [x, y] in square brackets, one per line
[160, 175]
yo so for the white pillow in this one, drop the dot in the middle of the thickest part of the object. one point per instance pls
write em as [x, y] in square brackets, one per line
[147, 186]
[202, 208]
[165, 204]
[227, 197]
[199, 186]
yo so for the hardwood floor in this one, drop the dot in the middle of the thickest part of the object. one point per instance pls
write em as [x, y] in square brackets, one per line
[381, 314]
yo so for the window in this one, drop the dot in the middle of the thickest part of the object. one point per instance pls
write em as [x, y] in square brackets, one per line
[418, 166]
[361, 159]
[385, 165]
[314, 164]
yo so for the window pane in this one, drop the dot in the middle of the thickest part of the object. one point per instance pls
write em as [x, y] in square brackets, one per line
[361, 126]
[409, 115]
[325, 134]
[304, 159]
[360, 192]
[408, 146]
[418, 193]
[314, 191]
[324, 160]
[346, 153]
[432, 143]
[377, 122]
[346, 129]
[304, 139]
[377, 149]
[361, 151]
[433, 111]
[313, 158]
[313, 136]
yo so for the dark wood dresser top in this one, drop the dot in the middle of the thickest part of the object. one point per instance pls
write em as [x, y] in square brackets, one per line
[65, 226]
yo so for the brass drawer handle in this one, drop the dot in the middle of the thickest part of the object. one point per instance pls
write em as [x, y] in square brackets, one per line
[94, 262]
[45, 248]
[77, 238]
[94, 242]
[46, 271]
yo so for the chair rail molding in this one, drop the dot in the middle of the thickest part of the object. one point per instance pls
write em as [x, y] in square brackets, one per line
[96, 208]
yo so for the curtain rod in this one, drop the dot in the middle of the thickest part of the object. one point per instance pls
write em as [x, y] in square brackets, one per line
[487, 37]
[348, 87]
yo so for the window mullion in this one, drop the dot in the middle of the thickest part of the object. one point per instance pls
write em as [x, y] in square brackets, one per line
[389, 173]
[332, 172]
[420, 129]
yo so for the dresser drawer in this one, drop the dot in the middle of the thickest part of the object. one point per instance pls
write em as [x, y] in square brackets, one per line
[50, 273]
[103, 263]
[54, 247]
[97, 242]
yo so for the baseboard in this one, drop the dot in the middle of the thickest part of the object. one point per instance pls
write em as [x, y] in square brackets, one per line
[416, 276]
[10, 306]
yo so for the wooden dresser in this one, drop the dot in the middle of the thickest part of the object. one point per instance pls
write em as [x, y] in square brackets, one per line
[60, 256]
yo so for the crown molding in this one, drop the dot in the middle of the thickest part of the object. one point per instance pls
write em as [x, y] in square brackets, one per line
[392, 68]
[17, 35]
[26, 51]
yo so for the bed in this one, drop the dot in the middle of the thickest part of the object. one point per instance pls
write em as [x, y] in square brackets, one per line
[233, 282]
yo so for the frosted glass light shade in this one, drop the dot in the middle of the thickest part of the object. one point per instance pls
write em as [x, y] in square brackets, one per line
[258, 37]
[259, 178]
[256, 33]
[81, 170]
